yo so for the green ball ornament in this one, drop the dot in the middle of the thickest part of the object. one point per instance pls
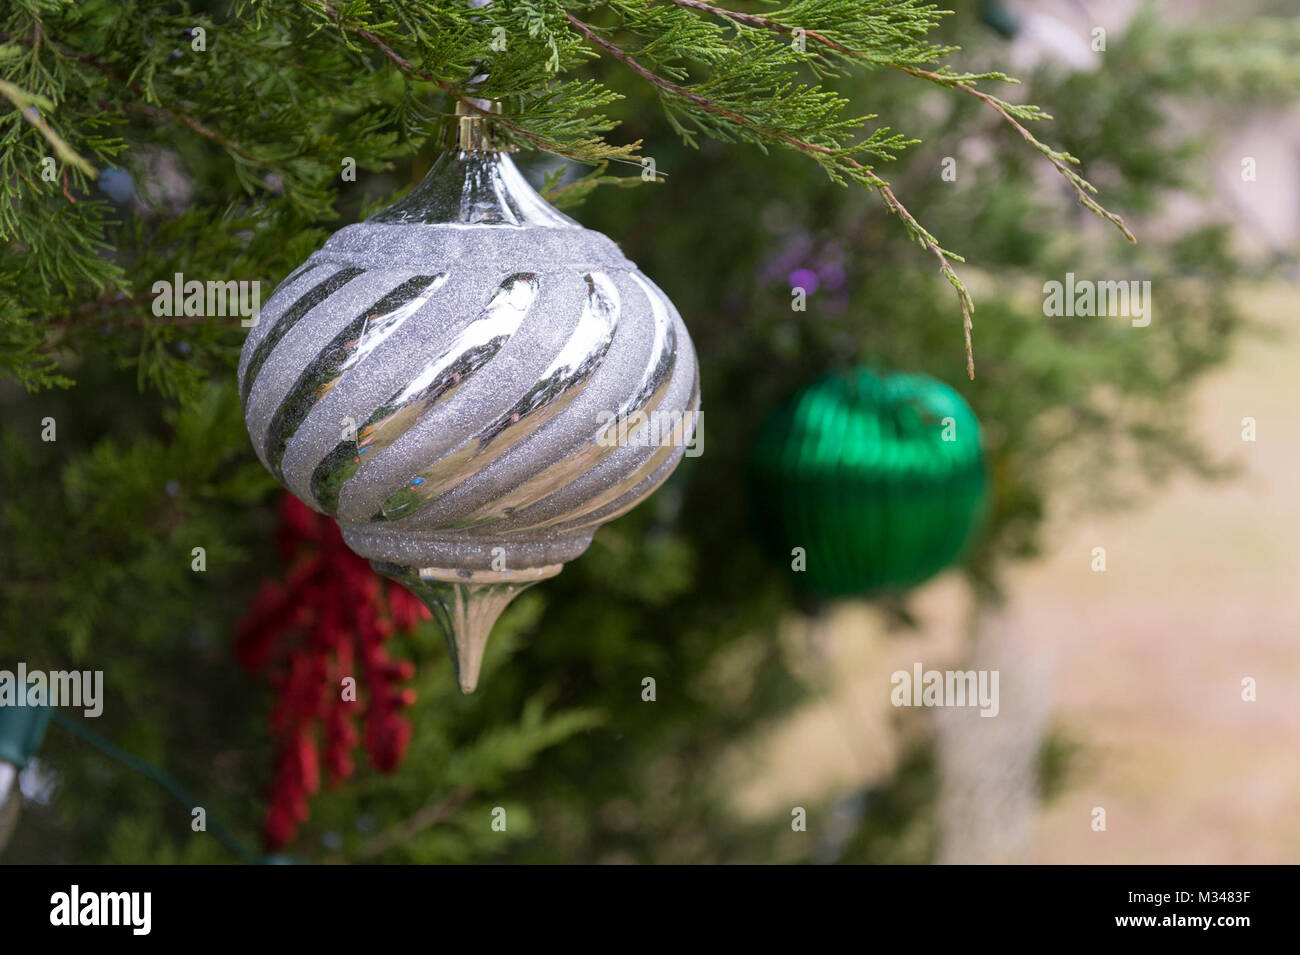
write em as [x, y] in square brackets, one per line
[877, 477]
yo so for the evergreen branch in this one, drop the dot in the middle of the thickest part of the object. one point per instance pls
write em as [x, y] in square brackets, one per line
[1060, 160]
[78, 315]
[864, 173]
[765, 23]
[928, 241]
[157, 112]
[630, 62]
[161, 111]
[29, 106]
[449, 88]
[164, 112]
[1082, 188]
[564, 196]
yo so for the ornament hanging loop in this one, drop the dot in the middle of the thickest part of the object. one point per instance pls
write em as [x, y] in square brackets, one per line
[469, 130]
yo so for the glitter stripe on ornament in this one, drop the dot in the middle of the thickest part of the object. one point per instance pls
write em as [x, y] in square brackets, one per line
[299, 349]
[636, 484]
[271, 312]
[435, 384]
[617, 376]
[460, 420]
[647, 455]
[292, 315]
[605, 436]
[348, 349]
[561, 382]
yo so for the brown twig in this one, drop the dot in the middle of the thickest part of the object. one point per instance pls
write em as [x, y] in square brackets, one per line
[422, 819]
[449, 88]
[88, 308]
[882, 188]
[1080, 186]
[630, 62]
[755, 20]
[164, 112]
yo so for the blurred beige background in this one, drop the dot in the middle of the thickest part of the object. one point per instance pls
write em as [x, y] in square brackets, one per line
[1140, 666]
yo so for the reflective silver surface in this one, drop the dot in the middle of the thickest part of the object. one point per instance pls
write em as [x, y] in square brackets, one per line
[602, 443]
[300, 308]
[348, 349]
[437, 381]
[465, 190]
[454, 379]
[559, 384]
[466, 605]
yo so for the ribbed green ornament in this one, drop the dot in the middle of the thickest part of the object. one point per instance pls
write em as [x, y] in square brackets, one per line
[878, 477]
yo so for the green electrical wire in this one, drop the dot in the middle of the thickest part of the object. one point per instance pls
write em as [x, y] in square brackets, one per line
[181, 794]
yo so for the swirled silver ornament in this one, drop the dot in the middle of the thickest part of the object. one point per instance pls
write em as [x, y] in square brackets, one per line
[470, 383]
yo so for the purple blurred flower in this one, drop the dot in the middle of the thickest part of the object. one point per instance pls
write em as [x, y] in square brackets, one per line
[796, 250]
[805, 279]
[832, 276]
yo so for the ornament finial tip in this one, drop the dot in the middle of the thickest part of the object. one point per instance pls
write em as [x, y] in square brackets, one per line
[466, 606]
[468, 684]
[467, 636]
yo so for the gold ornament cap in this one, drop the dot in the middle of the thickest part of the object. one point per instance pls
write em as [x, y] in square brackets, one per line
[471, 129]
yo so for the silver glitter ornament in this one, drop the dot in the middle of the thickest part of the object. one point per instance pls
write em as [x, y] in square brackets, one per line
[470, 383]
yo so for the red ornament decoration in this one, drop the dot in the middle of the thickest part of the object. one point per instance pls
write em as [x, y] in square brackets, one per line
[328, 621]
